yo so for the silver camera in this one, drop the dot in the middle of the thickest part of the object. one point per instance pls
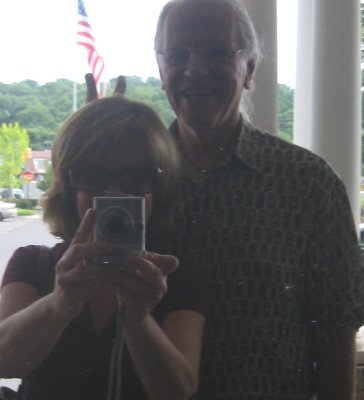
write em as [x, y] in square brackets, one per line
[120, 221]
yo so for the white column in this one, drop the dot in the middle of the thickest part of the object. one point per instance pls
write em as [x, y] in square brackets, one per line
[302, 124]
[264, 16]
[336, 97]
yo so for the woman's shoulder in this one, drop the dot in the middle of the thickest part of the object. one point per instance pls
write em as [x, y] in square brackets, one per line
[23, 263]
[31, 252]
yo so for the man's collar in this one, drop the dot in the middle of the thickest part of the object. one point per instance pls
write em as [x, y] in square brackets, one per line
[174, 129]
[248, 148]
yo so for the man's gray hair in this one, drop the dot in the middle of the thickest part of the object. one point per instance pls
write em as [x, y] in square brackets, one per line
[247, 37]
[245, 31]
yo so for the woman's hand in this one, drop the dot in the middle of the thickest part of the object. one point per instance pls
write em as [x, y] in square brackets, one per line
[143, 283]
[76, 279]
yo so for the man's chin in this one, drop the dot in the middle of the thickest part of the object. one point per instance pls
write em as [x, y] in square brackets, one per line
[198, 122]
[198, 115]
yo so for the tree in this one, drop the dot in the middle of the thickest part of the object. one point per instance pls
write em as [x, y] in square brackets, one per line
[362, 21]
[47, 181]
[14, 142]
[42, 109]
[285, 112]
[362, 85]
[151, 93]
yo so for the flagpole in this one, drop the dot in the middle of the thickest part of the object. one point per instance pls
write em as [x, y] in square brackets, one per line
[104, 88]
[74, 103]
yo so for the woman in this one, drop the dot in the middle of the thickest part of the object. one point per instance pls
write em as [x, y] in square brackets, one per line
[59, 340]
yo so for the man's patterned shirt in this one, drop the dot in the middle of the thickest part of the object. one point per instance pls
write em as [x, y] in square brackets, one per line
[273, 235]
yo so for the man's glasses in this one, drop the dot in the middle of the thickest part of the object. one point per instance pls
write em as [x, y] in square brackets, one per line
[137, 181]
[209, 55]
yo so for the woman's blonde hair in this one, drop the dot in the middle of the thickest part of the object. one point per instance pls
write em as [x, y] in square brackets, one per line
[89, 138]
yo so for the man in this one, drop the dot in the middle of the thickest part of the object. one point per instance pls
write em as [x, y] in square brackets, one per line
[267, 223]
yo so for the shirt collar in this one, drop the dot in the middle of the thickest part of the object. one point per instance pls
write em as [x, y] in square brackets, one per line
[248, 148]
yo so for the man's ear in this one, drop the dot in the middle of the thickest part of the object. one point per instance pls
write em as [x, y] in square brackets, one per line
[161, 75]
[162, 80]
[250, 70]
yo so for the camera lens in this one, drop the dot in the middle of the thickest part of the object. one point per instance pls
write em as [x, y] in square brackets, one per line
[114, 223]
[117, 224]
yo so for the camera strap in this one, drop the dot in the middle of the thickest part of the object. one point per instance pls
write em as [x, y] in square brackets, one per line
[115, 372]
[45, 278]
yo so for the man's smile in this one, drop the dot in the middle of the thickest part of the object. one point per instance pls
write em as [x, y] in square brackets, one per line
[191, 93]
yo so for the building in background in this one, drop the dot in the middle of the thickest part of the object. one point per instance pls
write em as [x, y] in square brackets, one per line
[34, 171]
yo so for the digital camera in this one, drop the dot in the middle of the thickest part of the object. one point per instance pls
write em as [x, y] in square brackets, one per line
[120, 221]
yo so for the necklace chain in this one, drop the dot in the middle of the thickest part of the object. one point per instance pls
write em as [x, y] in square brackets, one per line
[223, 150]
[204, 171]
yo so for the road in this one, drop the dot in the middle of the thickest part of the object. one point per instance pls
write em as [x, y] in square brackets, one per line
[21, 231]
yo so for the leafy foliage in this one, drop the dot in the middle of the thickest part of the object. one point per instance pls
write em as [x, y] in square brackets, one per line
[43, 108]
[285, 112]
[47, 181]
[14, 142]
[362, 20]
[151, 93]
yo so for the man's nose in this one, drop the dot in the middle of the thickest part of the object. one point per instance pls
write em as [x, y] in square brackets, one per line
[196, 65]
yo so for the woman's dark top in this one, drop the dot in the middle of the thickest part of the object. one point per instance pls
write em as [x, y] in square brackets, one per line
[78, 365]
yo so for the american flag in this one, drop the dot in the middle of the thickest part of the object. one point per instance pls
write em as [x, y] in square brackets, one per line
[85, 38]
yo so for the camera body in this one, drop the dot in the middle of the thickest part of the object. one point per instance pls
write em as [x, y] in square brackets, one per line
[120, 221]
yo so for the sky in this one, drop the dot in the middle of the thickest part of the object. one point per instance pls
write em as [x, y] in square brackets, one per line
[38, 39]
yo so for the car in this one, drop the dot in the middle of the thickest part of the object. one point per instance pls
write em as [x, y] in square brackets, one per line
[361, 237]
[12, 193]
[7, 210]
[361, 240]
